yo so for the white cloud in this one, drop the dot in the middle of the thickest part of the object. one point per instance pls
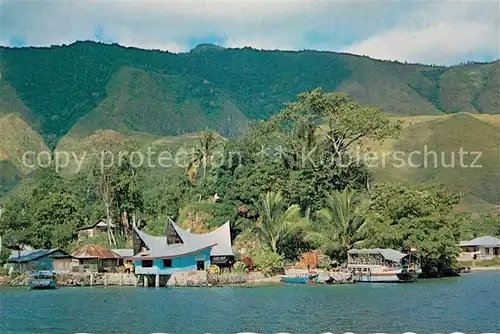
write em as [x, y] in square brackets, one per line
[438, 34]
[421, 32]
[434, 44]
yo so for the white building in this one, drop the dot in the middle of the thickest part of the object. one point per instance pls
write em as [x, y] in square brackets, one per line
[483, 248]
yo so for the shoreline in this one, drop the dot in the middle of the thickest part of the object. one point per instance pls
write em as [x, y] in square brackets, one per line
[481, 269]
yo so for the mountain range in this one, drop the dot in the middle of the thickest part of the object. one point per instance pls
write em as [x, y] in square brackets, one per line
[63, 94]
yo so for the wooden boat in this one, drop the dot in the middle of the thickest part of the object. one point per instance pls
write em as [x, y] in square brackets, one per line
[309, 278]
[42, 279]
[380, 265]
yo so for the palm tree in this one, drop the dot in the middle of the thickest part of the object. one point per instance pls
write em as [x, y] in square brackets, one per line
[340, 223]
[275, 221]
[208, 142]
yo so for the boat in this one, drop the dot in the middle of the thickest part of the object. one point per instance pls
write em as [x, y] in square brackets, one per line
[42, 279]
[309, 278]
[383, 265]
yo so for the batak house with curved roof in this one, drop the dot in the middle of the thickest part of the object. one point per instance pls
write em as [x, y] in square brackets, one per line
[181, 250]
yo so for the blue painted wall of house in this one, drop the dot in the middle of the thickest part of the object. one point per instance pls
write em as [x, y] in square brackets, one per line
[183, 263]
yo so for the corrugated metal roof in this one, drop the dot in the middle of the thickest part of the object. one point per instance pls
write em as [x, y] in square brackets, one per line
[387, 253]
[32, 255]
[99, 223]
[124, 252]
[95, 252]
[486, 241]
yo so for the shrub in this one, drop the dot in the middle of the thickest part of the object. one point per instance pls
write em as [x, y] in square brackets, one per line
[308, 260]
[268, 262]
[214, 269]
[240, 267]
[324, 262]
[247, 260]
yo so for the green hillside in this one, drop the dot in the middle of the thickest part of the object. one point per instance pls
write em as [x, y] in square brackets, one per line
[446, 135]
[16, 138]
[70, 97]
[88, 85]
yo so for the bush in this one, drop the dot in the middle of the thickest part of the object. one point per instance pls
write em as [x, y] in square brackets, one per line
[325, 262]
[240, 267]
[247, 260]
[308, 260]
[268, 262]
[214, 269]
[4, 255]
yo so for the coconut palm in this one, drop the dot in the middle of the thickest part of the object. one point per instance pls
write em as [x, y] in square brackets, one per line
[275, 221]
[209, 141]
[340, 224]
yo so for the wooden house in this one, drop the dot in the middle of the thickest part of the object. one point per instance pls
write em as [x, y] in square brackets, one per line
[41, 259]
[125, 262]
[93, 230]
[95, 258]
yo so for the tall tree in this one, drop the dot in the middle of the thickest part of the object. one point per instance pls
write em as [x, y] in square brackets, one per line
[276, 221]
[340, 224]
[209, 141]
[401, 215]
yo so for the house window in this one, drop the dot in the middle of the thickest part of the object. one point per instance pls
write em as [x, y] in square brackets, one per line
[167, 263]
[147, 263]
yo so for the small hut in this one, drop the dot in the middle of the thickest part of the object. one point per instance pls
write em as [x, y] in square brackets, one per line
[93, 230]
[40, 259]
[95, 258]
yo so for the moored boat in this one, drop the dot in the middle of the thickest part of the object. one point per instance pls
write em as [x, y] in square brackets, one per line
[42, 279]
[383, 265]
[308, 278]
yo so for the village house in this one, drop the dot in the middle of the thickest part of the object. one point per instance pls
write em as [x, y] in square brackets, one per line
[95, 258]
[483, 248]
[125, 262]
[93, 230]
[21, 261]
[180, 250]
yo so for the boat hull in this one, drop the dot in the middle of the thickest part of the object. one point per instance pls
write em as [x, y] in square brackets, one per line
[386, 278]
[42, 284]
[297, 280]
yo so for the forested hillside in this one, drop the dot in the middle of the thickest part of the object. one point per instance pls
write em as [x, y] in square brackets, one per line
[61, 97]
[88, 86]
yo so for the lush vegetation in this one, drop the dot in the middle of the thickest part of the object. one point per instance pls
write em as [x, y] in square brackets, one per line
[60, 97]
[288, 185]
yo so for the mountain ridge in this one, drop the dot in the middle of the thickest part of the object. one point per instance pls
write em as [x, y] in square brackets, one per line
[61, 85]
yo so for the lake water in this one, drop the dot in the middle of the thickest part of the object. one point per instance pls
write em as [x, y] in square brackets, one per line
[469, 304]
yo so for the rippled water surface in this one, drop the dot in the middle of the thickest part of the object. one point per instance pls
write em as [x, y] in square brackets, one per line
[469, 304]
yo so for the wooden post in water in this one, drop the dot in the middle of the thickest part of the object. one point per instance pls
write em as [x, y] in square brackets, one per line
[121, 279]
[91, 279]
[157, 281]
[105, 279]
[145, 281]
[136, 280]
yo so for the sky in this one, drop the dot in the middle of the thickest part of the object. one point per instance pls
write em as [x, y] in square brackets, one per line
[431, 32]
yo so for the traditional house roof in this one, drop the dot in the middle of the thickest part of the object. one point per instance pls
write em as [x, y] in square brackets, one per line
[219, 241]
[486, 241]
[95, 252]
[33, 255]
[221, 237]
[124, 253]
[387, 253]
[99, 223]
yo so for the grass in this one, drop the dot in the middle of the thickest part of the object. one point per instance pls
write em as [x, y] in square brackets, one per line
[446, 135]
[495, 262]
[16, 138]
